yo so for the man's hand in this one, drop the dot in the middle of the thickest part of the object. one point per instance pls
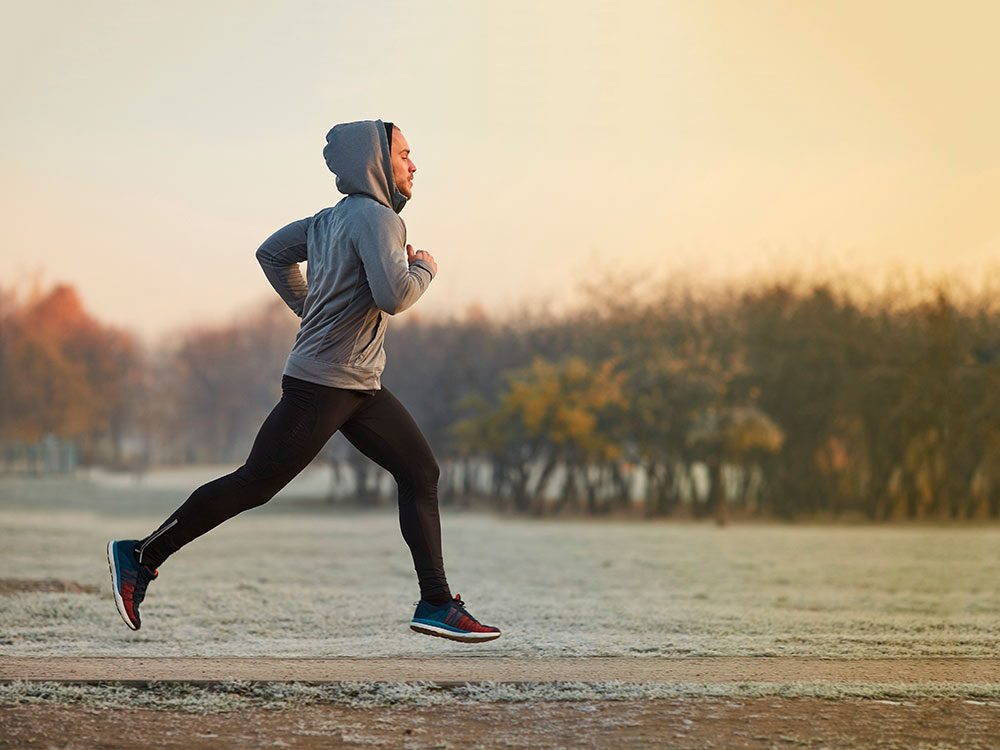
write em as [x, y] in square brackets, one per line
[412, 255]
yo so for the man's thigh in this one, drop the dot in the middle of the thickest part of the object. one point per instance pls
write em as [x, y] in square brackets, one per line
[298, 427]
[386, 432]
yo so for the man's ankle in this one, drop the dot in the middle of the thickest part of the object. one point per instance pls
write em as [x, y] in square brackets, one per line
[438, 599]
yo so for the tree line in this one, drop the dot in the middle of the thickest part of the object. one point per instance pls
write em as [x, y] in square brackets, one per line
[784, 398]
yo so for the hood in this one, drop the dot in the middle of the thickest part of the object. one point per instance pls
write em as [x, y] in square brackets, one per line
[358, 153]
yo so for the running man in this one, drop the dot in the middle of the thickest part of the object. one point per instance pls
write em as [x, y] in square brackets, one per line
[359, 270]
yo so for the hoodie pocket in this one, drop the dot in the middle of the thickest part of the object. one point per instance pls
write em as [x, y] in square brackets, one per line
[367, 353]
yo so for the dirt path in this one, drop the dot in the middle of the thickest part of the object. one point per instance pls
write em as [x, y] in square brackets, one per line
[451, 671]
[737, 723]
[744, 724]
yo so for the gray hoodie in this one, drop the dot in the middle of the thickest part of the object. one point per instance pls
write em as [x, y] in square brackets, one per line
[357, 272]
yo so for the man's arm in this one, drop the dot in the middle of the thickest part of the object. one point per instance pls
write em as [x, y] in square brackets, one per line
[395, 281]
[280, 256]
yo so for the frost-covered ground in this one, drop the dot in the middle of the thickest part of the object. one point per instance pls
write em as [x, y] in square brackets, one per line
[285, 581]
[235, 696]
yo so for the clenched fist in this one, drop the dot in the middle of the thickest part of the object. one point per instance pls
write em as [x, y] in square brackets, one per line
[412, 255]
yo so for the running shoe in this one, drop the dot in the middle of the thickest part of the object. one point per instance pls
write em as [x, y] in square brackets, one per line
[451, 620]
[129, 580]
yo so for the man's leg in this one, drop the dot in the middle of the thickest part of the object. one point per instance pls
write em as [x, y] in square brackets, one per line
[291, 436]
[384, 431]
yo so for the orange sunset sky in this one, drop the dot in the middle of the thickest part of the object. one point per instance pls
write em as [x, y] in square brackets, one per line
[148, 148]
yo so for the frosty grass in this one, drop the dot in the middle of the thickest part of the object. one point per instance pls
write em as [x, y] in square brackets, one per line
[293, 581]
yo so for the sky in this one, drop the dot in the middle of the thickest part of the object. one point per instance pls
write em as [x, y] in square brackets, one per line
[147, 149]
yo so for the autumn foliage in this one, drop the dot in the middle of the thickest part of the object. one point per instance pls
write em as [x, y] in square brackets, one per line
[786, 398]
[782, 399]
[62, 372]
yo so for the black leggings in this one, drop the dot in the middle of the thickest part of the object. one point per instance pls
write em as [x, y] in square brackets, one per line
[377, 424]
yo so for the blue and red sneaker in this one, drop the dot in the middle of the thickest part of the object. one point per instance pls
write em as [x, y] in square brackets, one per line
[129, 580]
[451, 620]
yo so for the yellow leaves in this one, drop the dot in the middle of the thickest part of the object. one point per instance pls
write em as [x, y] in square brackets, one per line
[750, 429]
[559, 404]
[572, 424]
[561, 401]
[737, 431]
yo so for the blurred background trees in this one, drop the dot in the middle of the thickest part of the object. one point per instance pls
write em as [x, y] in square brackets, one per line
[785, 399]
[64, 374]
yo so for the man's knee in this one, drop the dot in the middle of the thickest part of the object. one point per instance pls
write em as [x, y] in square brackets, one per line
[432, 471]
[257, 491]
[421, 477]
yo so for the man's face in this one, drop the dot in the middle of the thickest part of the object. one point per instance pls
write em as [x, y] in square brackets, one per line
[402, 166]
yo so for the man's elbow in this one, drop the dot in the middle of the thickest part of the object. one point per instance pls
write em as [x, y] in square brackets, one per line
[391, 303]
[392, 306]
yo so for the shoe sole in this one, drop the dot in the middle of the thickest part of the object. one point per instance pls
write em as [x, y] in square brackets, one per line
[452, 635]
[114, 586]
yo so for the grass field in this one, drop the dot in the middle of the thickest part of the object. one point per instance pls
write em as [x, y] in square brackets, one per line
[295, 579]
[285, 580]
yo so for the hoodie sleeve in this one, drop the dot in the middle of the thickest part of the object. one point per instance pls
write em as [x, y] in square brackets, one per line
[280, 256]
[381, 242]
